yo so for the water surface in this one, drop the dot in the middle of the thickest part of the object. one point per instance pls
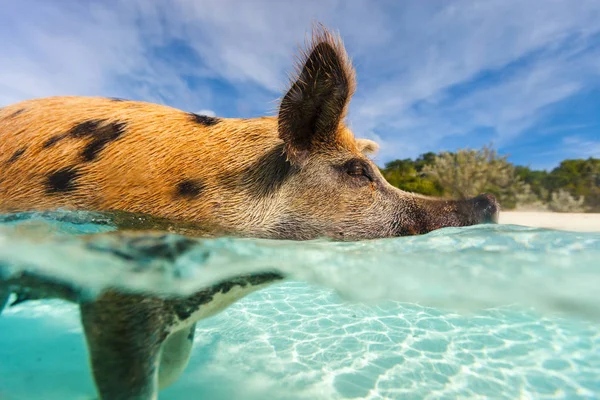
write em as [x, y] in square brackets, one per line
[490, 311]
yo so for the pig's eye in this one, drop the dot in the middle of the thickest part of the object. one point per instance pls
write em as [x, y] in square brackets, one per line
[358, 169]
[355, 169]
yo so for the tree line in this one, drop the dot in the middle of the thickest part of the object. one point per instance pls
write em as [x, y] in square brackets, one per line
[573, 186]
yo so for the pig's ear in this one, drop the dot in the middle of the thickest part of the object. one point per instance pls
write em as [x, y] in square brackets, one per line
[312, 109]
[367, 147]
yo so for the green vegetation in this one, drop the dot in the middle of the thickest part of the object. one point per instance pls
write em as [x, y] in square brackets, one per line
[573, 186]
[408, 175]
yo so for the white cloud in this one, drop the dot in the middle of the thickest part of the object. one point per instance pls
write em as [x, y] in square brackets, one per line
[464, 41]
[76, 49]
[408, 54]
[508, 106]
[581, 147]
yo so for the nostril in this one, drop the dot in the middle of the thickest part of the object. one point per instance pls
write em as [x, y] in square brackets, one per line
[487, 207]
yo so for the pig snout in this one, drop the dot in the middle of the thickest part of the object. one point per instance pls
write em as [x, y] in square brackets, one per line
[482, 209]
[431, 214]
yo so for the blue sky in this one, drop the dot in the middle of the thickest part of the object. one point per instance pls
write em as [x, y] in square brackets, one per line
[432, 75]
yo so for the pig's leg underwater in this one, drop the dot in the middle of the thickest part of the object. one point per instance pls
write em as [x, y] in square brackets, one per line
[138, 345]
[114, 355]
[124, 346]
[4, 295]
[175, 355]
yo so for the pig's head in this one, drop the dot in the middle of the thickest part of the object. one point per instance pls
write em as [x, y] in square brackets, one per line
[328, 185]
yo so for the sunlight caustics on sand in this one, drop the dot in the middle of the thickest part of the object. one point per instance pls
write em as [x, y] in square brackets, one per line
[496, 311]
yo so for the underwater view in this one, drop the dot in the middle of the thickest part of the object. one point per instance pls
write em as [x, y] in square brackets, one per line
[488, 311]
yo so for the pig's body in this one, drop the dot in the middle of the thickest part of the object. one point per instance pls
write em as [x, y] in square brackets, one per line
[299, 175]
[104, 154]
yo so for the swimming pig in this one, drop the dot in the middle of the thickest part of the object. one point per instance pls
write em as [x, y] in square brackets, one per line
[299, 175]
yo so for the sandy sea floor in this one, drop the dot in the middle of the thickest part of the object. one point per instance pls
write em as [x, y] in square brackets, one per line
[577, 222]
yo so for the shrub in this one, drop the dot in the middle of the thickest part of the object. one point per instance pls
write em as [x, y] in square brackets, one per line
[468, 172]
[563, 201]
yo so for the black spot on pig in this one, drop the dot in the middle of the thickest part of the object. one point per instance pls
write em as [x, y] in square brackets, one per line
[204, 119]
[63, 180]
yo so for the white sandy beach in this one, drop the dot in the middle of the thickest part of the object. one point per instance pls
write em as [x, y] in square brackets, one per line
[577, 222]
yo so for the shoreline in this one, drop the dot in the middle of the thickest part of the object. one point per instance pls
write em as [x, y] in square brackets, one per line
[575, 222]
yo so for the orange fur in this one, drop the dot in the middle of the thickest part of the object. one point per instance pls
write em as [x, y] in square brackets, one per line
[138, 172]
[301, 174]
[161, 146]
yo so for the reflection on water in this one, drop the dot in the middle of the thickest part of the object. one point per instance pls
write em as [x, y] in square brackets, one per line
[459, 269]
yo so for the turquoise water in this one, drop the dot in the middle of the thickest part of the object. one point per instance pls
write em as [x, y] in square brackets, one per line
[480, 312]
